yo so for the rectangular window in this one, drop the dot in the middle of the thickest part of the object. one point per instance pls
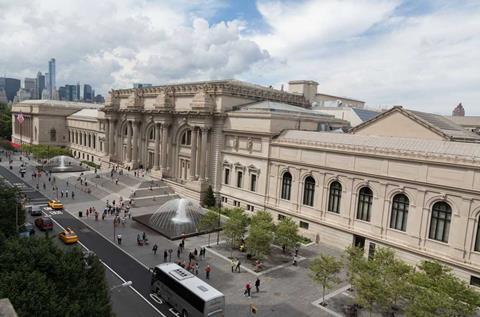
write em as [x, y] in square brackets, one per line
[250, 208]
[224, 200]
[239, 179]
[280, 217]
[253, 183]
[227, 176]
[303, 225]
[475, 281]
[236, 203]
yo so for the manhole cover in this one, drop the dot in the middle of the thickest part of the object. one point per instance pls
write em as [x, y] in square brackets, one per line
[85, 230]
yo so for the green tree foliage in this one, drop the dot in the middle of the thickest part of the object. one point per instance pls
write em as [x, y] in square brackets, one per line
[10, 205]
[209, 198]
[354, 260]
[435, 291]
[5, 121]
[324, 270]
[209, 222]
[41, 151]
[236, 225]
[260, 234]
[42, 280]
[286, 233]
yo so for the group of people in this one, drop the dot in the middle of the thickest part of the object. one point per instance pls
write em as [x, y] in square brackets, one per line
[248, 288]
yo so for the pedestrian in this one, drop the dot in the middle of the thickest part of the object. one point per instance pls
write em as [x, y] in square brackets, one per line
[178, 253]
[96, 216]
[247, 289]
[165, 256]
[196, 268]
[208, 269]
[119, 239]
[66, 193]
[73, 195]
[190, 257]
[257, 285]
[67, 183]
[195, 252]
[295, 259]
[170, 251]
[237, 268]
[233, 264]
[296, 250]
[155, 247]
[44, 186]
[144, 236]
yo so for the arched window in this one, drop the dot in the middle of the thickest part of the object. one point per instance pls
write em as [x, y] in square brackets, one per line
[187, 138]
[334, 197]
[151, 136]
[365, 198]
[440, 223]
[308, 191]
[53, 135]
[286, 185]
[477, 238]
[399, 214]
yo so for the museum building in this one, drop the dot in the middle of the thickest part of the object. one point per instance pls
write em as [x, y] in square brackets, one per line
[404, 179]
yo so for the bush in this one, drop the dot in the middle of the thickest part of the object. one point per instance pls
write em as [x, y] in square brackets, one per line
[97, 166]
[41, 151]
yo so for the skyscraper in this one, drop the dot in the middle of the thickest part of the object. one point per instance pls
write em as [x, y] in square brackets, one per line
[87, 93]
[77, 97]
[11, 86]
[51, 82]
[30, 84]
[40, 85]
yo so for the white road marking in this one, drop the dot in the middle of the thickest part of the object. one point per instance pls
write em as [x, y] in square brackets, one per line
[175, 313]
[155, 297]
[116, 274]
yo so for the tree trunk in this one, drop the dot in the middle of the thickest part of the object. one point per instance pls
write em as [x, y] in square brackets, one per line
[323, 296]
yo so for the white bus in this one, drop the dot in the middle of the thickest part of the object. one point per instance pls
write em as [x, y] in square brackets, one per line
[185, 292]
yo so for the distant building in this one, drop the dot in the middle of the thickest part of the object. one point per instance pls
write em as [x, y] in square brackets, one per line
[99, 99]
[3, 96]
[30, 84]
[141, 85]
[77, 97]
[458, 111]
[22, 94]
[40, 85]
[51, 78]
[87, 93]
[11, 86]
[69, 92]
[308, 88]
[62, 93]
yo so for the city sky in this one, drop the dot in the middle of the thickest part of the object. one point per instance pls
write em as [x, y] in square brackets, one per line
[421, 54]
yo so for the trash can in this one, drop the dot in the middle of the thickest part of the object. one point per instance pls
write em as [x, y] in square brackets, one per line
[80, 214]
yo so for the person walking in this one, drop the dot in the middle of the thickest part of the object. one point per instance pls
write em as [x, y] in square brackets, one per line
[119, 239]
[170, 251]
[247, 291]
[257, 285]
[155, 247]
[196, 268]
[66, 193]
[238, 266]
[208, 269]
[295, 259]
[233, 264]
[178, 253]
[165, 256]
[190, 257]
[73, 195]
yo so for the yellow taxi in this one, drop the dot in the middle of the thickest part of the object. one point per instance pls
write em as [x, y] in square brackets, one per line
[68, 236]
[55, 204]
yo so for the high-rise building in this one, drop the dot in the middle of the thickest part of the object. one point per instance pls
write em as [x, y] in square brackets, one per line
[51, 81]
[87, 93]
[30, 84]
[141, 85]
[77, 97]
[40, 85]
[11, 86]
[99, 99]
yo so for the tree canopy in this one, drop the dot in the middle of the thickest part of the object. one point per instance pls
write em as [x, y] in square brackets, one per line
[41, 151]
[10, 205]
[324, 270]
[42, 280]
[5, 121]
[260, 234]
[209, 222]
[286, 233]
[236, 225]
[209, 198]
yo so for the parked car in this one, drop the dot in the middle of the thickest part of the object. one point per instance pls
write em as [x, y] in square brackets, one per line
[68, 236]
[55, 204]
[26, 230]
[44, 223]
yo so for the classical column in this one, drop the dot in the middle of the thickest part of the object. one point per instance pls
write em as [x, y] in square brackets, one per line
[193, 153]
[111, 137]
[203, 153]
[129, 141]
[135, 142]
[157, 147]
[163, 161]
[106, 137]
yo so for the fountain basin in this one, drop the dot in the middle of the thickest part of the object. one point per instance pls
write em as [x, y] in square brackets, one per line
[63, 163]
[176, 219]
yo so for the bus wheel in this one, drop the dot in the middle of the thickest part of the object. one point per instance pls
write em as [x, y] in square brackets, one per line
[184, 313]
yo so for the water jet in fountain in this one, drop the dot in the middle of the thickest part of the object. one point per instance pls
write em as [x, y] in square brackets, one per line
[175, 219]
[63, 163]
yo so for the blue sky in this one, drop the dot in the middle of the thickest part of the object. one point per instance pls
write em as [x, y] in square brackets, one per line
[420, 54]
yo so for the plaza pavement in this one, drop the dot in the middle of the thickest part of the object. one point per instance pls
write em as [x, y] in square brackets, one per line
[287, 291]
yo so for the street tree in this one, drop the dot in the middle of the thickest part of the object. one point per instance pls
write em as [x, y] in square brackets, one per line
[209, 222]
[236, 225]
[42, 280]
[260, 234]
[11, 210]
[209, 199]
[324, 271]
[5, 121]
[286, 233]
[436, 291]
[354, 260]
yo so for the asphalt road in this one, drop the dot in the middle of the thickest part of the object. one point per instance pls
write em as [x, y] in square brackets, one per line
[124, 266]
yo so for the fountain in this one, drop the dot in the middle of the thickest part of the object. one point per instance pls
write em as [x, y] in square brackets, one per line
[175, 219]
[63, 163]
